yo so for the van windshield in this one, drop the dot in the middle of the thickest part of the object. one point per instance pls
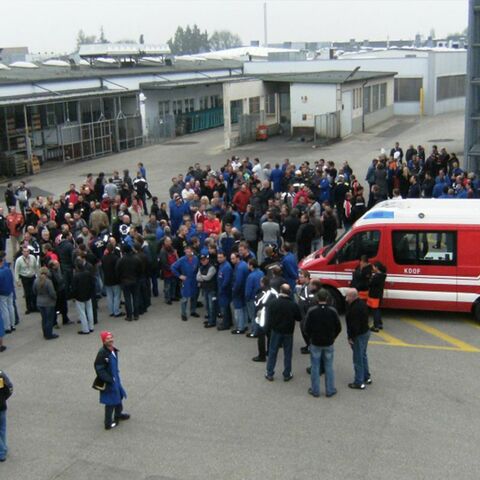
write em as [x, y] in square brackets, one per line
[329, 247]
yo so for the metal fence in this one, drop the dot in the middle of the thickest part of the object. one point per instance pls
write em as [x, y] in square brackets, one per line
[161, 128]
[327, 126]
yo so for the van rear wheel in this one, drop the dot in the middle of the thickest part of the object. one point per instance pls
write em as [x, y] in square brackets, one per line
[476, 312]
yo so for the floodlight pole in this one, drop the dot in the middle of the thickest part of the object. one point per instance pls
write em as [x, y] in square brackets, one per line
[265, 31]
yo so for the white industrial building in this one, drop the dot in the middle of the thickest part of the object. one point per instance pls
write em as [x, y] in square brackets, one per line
[329, 104]
[427, 81]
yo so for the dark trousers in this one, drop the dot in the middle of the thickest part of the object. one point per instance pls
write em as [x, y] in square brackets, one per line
[145, 295]
[112, 413]
[30, 300]
[62, 306]
[131, 296]
[262, 342]
[48, 317]
[304, 335]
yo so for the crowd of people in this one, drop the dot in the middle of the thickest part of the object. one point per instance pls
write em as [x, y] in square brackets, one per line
[228, 239]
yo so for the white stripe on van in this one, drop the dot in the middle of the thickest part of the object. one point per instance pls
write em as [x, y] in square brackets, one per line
[398, 278]
[425, 295]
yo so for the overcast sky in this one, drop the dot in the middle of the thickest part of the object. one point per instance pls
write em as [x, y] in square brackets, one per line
[52, 25]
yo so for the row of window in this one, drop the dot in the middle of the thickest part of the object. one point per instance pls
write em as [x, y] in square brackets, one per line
[185, 105]
[409, 247]
[374, 97]
[408, 89]
[357, 98]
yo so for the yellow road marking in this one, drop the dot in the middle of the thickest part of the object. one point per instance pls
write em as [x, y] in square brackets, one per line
[427, 347]
[390, 339]
[473, 323]
[459, 344]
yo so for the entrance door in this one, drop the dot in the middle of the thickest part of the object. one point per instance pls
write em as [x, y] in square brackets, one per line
[346, 114]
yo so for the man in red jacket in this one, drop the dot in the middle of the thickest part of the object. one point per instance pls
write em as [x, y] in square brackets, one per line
[241, 198]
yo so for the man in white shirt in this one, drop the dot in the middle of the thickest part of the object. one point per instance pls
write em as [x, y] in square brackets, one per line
[26, 268]
[257, 169]
[187, 192]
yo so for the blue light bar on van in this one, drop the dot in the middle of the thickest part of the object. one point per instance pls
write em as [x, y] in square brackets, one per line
[379, 214]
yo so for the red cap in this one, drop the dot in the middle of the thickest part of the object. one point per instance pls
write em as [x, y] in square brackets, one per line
[104, 335]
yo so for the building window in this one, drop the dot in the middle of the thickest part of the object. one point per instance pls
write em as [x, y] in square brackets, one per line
[383, 95]
[452, 86]
[164, 108]
[254, 104]
[204, 103]
[189, 105]
[407, 89]
[366, 99]
[177, 107]
[270, 104]
[425, 248]
[375, 97]
[215, 101]
[357, 98]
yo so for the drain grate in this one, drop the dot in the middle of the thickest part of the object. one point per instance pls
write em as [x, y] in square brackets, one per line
[441, 140]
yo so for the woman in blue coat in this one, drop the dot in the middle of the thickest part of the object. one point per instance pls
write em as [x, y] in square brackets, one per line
[185, 269]
[108, 376]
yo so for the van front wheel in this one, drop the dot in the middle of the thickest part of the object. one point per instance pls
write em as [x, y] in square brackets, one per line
[476, 312]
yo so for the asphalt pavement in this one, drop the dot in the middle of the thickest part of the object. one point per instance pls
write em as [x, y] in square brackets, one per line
[202, 410]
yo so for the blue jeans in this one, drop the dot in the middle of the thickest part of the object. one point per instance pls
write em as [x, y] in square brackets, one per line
[7, 311]
[48, 318]
[85, 314]
[251, 316]
[210, 305]
[360, 359]
[277, 339]
[114, 293]
[322, 357]
[169, 288]
[3, 435]
[240, 318]
[193, 304]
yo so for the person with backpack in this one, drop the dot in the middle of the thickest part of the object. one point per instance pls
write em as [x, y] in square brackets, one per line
[6, 390]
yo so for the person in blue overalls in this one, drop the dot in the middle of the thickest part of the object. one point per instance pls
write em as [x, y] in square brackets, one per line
[224, 290]
[185, 269]
[108, 376]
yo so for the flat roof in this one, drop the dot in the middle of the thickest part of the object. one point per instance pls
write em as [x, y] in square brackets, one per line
[424, 211]
[66, 95]
[330, 76]
[49, 73]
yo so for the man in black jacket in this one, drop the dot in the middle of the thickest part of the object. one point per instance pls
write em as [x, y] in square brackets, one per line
[358, 335]
[322, 327]
[129, 272]
[6, 390]
[282, 313]
[112, 284]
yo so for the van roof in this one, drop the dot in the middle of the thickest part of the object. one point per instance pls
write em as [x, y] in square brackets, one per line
[424, 211]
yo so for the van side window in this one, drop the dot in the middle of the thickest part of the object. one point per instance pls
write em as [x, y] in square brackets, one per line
[362, 243]
[424, 247]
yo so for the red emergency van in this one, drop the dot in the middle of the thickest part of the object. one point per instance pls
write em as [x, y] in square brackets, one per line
[430, 247]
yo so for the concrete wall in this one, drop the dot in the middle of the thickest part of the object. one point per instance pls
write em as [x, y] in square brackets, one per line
[427, 65]
[309, 100]
[445, 64]
[375, 118]
[242, 90]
